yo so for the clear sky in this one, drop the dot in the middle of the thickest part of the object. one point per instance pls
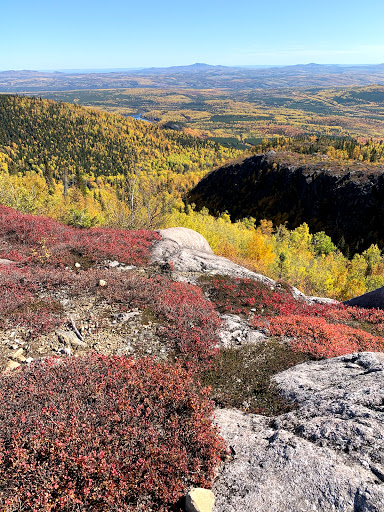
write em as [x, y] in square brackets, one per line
[44, 34]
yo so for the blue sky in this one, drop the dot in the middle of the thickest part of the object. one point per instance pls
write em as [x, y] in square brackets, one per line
[123, 34]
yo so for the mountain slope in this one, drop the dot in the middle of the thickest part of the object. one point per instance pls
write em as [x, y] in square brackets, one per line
[198, 76]
[35, 132]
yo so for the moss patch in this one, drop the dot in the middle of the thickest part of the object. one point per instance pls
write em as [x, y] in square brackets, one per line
[241, 378]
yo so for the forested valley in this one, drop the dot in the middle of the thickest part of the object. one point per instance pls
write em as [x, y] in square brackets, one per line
[89, 168]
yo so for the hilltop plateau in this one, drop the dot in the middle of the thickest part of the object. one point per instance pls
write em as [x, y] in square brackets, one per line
[107, 337]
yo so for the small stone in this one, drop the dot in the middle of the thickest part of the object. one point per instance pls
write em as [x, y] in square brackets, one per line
[66, 351]
[113, 264]
[77, 265]
[4, 261]
[14, 347]
[18, 354]
[123, 317]
[12, 365]
[102, 282]
[29, 360]
[199, 500]
[255, 337]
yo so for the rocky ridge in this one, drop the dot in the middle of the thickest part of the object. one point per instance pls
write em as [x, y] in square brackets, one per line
[188, 255]
[325, 455]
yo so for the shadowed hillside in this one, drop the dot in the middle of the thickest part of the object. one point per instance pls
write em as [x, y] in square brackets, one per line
[343, 199]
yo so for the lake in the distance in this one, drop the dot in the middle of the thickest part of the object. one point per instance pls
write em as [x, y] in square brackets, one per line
[139, 117]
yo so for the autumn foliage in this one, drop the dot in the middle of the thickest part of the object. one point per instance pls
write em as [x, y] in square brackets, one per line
[30, 238]
[107, 433]
[316, 336]
[103, 433]
[21, 305]
[322, 330]
[187, 319]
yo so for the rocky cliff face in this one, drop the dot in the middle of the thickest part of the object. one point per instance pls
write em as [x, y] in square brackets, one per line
[347, 203]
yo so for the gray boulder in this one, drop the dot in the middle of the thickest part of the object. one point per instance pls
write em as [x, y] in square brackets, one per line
[235, 332]
[188, 251]
[327, 455]
[4, 261]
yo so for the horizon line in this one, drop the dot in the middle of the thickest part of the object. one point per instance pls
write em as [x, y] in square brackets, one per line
[117, 69]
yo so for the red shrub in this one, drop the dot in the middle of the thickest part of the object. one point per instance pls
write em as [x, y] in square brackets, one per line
[20, 304]
[131, 247]
[240, 296]
[372, 319]
[103, 434]
[41, 239]
[189, 321]
[314, 335]
[317, 329]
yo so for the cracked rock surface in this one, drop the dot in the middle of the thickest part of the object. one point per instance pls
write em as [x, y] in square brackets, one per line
[327, 455]
[236, 332]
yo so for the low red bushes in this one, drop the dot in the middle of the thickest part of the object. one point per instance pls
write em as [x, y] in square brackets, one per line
[322, 330]
[314, 335]
[40, 239]
[103, 434]
[188, 321]
[240, 296]
[20, 304]
[42, 247]
[372, 319]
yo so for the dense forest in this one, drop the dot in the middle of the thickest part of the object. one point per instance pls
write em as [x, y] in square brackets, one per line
[338, 150]
[100, 162]
[51, 136]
